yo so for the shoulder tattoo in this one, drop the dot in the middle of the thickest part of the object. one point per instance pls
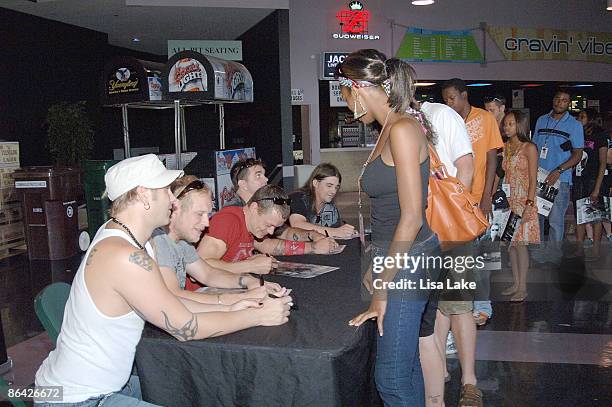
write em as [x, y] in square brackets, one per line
[89, 257]
[142, 259]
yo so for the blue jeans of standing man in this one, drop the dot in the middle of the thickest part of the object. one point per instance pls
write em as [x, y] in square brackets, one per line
[556, 221]
[129, 396]
[398, 374]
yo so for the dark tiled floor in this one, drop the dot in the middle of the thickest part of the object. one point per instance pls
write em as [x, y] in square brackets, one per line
[514, 384]
[585, 317]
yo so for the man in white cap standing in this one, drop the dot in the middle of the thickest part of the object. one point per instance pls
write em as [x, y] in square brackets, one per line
[118, 286]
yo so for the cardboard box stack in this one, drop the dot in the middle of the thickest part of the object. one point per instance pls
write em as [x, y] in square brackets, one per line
[12, 235]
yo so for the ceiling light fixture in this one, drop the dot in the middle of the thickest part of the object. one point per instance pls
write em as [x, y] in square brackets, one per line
[429, 2]
[531, 85]
[135, 39]
[479, 84]
[424, 84]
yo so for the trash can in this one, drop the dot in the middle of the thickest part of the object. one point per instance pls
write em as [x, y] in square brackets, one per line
[49, 200]
[97, 206]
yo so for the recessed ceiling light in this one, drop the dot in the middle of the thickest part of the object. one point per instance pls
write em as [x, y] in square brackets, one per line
[135, 39]
[422, 2]
[479, 84]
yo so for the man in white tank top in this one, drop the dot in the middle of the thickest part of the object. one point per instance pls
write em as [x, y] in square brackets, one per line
[119, 286]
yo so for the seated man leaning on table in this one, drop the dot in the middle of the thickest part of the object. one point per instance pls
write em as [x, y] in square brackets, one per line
[248, 176]
[118, 286]
[176, 256]
[236, 231]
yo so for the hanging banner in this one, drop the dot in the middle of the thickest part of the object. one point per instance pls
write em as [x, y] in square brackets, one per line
[228, 50]
[420, 45]
[545, 44]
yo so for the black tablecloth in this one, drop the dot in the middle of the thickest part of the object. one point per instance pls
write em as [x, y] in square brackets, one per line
[316, 359]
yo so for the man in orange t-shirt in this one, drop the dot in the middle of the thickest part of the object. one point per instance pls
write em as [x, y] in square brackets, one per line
[486, 139]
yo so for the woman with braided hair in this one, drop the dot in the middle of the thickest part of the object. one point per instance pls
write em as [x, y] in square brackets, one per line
[396, 177]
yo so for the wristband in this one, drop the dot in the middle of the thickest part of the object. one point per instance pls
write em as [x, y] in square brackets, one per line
[293, 247]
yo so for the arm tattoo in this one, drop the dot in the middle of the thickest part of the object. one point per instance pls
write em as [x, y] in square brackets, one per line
[301, 235]
[188, 331]
[142, 259]
[91, 253]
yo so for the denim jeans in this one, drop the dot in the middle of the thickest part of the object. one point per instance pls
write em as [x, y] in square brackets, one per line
[398, 374]
[556, 220]
[129, 396]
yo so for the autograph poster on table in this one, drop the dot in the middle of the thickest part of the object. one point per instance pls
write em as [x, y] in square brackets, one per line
[301, 270]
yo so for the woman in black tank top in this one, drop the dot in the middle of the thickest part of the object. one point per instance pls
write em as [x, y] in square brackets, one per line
[395, 177]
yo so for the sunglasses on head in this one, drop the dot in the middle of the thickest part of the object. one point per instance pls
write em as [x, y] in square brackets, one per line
[489, 99]
[244, 164]
[196, 184]
[277, 200]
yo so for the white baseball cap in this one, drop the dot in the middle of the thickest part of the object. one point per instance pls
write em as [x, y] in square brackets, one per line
[145, 171]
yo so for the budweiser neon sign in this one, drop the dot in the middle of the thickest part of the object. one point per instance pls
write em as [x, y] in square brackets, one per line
[354, 23]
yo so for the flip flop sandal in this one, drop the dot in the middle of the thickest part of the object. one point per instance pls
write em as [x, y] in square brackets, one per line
[470, 396]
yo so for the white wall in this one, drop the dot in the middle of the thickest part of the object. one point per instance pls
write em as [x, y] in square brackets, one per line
[313, 21]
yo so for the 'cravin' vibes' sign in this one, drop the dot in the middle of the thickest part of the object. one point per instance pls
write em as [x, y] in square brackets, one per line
[524, 43]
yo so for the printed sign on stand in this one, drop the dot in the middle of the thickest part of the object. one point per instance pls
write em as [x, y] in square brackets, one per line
[335, 97]
[297, 96]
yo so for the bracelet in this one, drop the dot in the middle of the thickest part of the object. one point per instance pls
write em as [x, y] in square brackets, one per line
[241, 283]
[529, 202]
[293, 247]
[219, 299]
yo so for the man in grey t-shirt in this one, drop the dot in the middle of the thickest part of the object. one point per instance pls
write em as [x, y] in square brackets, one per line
[177, 257]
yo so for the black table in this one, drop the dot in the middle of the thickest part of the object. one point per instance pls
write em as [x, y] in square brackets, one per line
[316, 359]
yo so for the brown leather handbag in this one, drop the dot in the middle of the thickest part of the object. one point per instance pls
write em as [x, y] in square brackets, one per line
[452, 212]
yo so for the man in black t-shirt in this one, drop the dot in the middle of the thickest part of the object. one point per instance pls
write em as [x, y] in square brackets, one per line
[588, 176]
[328, 216]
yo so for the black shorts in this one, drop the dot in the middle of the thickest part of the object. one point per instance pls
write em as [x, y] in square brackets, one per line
[428, 321]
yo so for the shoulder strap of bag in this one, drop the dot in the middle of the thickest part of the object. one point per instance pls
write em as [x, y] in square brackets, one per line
[435, 164]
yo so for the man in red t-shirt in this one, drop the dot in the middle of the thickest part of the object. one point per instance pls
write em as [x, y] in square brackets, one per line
[236, 231]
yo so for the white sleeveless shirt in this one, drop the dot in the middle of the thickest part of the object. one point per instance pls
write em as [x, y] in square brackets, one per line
[95, 352]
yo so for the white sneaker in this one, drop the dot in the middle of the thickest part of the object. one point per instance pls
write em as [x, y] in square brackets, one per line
[450, 344]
